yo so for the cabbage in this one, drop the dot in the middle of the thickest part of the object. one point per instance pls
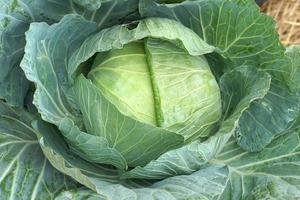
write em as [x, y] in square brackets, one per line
[146, 100]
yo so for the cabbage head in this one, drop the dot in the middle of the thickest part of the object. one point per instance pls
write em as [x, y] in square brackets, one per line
[154, 82]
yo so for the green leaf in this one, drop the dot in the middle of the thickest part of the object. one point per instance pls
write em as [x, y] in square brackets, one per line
[116, 36]
[234, 174]
[241, 33]
[15, 18]
[25, 172]
[91, 5]
[185, 160]
[13, 24]
[59, 155]
[14, 86]
[242, 86]
[293, 53]
[268, 118]
[45, 48]
[275, 166]
[106, 13]
[79, 194]
[89, 174]
[90, 147]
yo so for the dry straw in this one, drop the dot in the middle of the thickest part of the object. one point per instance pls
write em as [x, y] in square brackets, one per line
[287, 16]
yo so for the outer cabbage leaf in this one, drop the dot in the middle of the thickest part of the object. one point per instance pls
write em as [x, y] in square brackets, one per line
[91, 5]
[233, 174]
[90, 147]
[72, 165]
[107, 13]
[116, 36]
[272, 172]
[243, 36]
[241, 33]
[293, 53]
[13, 88]
[15, 17]
[79, 194]
[25, 171]
[49, 46]
[268, 118]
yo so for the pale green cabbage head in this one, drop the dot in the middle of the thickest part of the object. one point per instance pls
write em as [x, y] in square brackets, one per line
[158, 83]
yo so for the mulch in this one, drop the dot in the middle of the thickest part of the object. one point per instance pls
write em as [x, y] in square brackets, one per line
[286, 13]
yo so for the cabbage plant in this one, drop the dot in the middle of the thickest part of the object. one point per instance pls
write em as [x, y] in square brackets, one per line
[143, 99]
